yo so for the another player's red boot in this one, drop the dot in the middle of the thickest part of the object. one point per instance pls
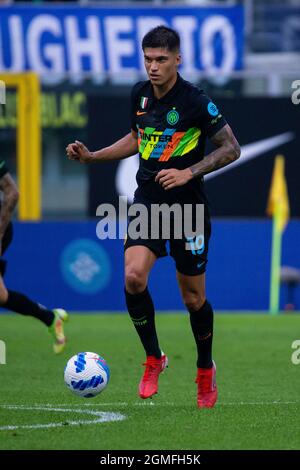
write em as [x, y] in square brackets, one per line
[149, 384]
[207, 387]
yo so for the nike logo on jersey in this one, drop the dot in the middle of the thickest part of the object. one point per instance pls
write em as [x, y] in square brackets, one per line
[200, 264]
[139, 113]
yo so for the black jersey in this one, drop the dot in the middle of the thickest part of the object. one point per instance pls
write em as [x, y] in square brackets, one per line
[171, 134]
[3, 168]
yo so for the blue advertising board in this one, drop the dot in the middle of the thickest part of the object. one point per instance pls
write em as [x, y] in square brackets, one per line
[101, 41]
[64, 264]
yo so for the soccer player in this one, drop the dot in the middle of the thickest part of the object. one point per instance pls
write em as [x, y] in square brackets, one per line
[10, 299]
[171, 119]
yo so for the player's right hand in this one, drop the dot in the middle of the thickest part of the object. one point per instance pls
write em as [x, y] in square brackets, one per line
[78, 151]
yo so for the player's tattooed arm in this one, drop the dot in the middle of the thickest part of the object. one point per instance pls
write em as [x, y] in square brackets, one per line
[9, 201]
[227, 151]
[121, 149]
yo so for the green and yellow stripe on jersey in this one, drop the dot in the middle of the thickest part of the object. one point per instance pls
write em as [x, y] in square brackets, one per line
[166, 144]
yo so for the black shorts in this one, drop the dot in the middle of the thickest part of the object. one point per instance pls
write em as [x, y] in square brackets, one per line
[190, 255]
[6, 241]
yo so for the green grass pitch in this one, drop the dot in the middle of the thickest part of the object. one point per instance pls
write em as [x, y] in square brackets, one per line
[258, 406]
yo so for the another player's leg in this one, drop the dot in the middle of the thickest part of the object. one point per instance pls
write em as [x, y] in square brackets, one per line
[19, 303]
[138, 263]
[56, 329]
[201, 318]
[53, 319]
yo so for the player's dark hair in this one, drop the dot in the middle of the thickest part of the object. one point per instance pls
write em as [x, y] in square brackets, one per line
[163, 37]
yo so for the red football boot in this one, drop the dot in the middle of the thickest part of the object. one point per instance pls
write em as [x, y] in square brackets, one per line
[149, 384]
[207, 387]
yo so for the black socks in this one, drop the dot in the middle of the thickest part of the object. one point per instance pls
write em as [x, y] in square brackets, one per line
[19, 303]
[202, 326]
[141, 311]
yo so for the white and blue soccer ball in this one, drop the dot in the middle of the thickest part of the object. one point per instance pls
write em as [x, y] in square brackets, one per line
[86, 374]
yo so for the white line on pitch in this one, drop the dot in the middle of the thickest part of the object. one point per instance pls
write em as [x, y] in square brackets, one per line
[101, 417]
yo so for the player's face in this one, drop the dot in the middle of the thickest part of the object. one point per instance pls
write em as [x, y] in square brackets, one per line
[161, 65]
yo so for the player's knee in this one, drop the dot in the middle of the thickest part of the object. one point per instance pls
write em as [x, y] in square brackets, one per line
[3, 295]
[194, 301]
[135, 281]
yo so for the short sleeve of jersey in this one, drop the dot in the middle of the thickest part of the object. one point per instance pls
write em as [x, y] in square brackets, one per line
[3, 168]
[209, 116]
[134, 104]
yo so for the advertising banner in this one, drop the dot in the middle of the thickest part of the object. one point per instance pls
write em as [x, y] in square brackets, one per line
[65, 265]
[106, 41]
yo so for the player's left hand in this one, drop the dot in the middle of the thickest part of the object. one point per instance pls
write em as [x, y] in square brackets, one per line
[171, 178]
